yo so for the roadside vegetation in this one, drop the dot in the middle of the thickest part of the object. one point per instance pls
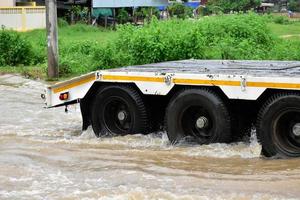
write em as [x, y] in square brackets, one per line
[84, 48]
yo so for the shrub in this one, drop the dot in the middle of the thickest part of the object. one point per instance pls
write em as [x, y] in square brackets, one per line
[14, 49]
[76, 58]
[285, 50]
[220, 37]
[280, 19]
[62, 22]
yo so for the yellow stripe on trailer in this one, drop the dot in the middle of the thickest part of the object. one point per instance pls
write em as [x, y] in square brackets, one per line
[274, 85]
[179, 81]
[237, 83]
[133, 78]
[74, 84]
[206, 82]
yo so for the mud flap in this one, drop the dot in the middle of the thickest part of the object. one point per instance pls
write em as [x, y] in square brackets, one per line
[85, 113]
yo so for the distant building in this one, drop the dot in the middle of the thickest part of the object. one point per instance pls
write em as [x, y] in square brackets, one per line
[193, 3]
[21, 15]
[128, 3]
[7, 3]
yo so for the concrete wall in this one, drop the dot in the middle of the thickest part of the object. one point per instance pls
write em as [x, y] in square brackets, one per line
[128, 3]
[23, 18]
[7, 3]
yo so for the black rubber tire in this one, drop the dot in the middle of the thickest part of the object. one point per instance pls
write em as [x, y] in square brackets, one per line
[275, 123]
[187, 106]
[107, 104]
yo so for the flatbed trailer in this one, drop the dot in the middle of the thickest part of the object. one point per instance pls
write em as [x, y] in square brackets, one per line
[203, 101]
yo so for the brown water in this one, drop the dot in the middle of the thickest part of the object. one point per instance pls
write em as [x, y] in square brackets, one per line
[44, 155]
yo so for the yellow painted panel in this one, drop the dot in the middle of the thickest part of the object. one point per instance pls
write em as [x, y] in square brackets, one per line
[178, 81]
[206, 82]
[74, 84]
[274, 85]
[133, 78]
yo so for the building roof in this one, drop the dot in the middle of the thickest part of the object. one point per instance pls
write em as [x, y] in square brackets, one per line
[267, 5]
[128, 3]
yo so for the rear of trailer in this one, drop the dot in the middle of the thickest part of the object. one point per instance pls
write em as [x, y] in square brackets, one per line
[204, 101]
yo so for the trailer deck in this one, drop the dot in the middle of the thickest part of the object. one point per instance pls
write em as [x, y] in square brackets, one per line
[244, 67]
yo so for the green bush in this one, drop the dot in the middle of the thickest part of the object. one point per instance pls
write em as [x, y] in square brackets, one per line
[85, 56]
[285, 50]
[14, 49]
[76, 57]
[62, 22]
[220, 37]
[280, 19]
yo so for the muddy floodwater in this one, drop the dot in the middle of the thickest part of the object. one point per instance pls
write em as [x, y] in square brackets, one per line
[45, 155]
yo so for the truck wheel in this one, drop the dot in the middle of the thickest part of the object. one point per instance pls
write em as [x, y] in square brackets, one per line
[198, 114]
[119, 110]
[278, 125]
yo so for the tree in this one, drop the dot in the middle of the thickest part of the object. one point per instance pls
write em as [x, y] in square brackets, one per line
[122, 16]
[227, 6]
[294, 5]
[179, 10]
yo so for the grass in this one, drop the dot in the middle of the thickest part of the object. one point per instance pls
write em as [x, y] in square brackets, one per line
[289, 31]
[33, 72]
[79, 32]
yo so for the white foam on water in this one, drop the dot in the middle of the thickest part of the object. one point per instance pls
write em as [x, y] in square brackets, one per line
[251, 149]
[88, 134]
[153, 140]
[247, 149]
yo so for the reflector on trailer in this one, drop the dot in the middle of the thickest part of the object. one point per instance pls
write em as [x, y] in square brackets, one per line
[64, 96]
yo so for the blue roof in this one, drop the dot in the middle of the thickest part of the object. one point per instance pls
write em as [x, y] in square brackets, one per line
[189, 4]
[192, 4]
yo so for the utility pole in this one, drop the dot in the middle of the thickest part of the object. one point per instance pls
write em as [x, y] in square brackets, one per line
[52, 38]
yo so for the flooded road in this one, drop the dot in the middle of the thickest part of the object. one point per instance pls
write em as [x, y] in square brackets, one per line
[44, 155]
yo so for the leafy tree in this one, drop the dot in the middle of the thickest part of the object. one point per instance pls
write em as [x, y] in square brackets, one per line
[294, 5]
[147, 13]
[179, 10]
[227, 6]
[123, 16]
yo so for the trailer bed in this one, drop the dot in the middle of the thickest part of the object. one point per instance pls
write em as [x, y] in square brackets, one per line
[232, 67]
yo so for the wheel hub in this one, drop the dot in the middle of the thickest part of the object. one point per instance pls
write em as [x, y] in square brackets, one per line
[122, 115]
[202, 122]
[296, 129]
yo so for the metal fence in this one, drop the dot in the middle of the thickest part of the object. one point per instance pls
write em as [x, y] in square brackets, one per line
[23, 18]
